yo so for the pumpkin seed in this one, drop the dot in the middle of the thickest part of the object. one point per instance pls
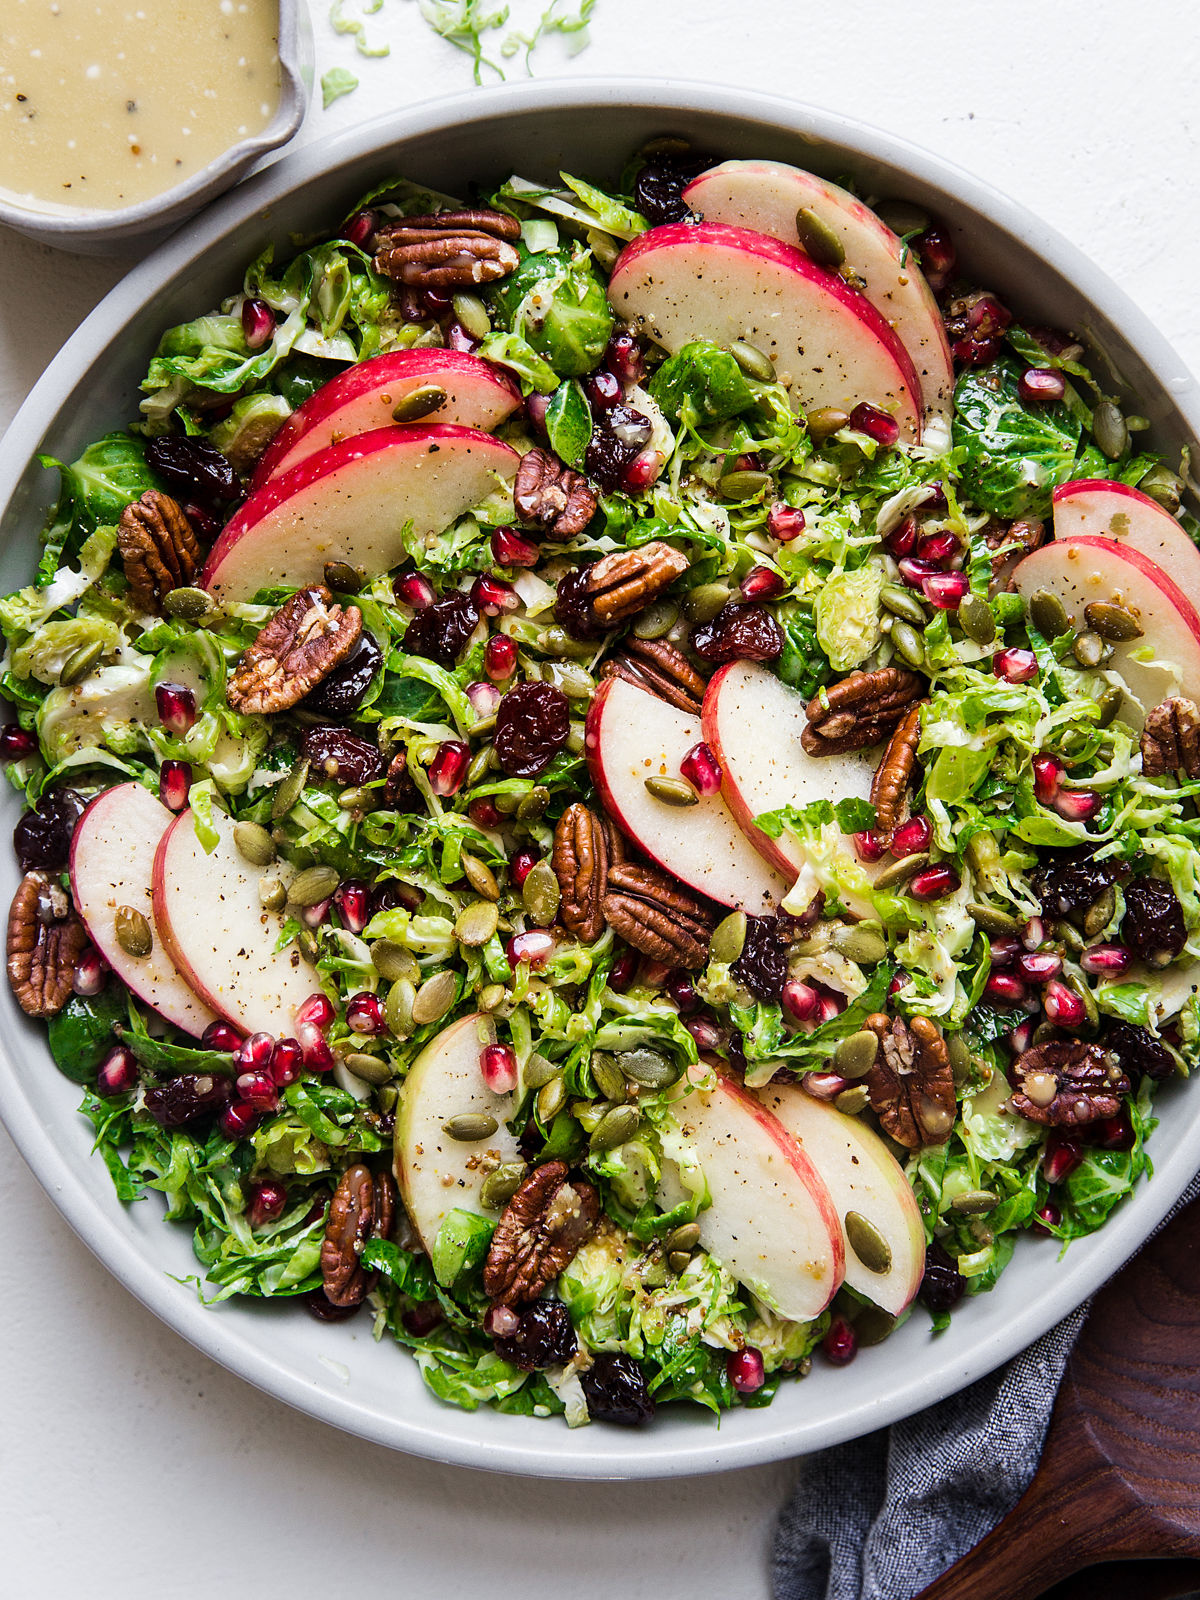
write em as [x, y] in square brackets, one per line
[614, 1128]
[310, 887]
[470, 1126]
[1078, 985]
[861, 944]
[976, 620]
[672, 792]
[1049, 614]
[476, 923]
[290, 790]
[868, 1244]
[434, 998]
[1067, 933]
[480, 877]
[498, 1188]
[654, 1273]
[855, 1055]
[392, 961]
[818, 239]
[419, 402]
[743, 485]
[679, 1261]
[552, 1097]
[133, 932]
[1108, 426]
[574, 681]
[959, 1052]
[473, 315]
[825, 421]
[371, 1069]
[975, 1202]
[873, 1325]
[577, 738]
[254, 842]
[901, 871]
[356, 799]
[308, 944]
[994, 922]
[1089, 650]
[539, 1071]
[755, 363]
[909, 644]
[480, 763]
[398, 1008]
[1163, 486]
[80, 662]
[1115, 623]
[902, 217]
[686, 1237]
[729, 939]
[271, 894]
[854, 1100]
[188, 603]
[1100, 913]
[534, 804]
[656, 620]
[341, 577]
[702, 604]
[647, 1068]
[557, 642]
[540, 895]
[903, 603]
[386, 1096]
[1110, 703]
[609, 1078]
[506, 804]
[491, 996]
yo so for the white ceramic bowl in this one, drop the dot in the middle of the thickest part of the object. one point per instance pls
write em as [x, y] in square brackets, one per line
[337, 1373]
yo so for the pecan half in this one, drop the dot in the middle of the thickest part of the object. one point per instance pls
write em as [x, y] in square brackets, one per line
[1067, 1083]
[543, 1226]
[45, 942]
[911, 1084]
[451, 250]
[158, 547]
[1010, 541]
[550, 495]
[363, 1207]
[660, 668]
[624, 583]
[1171, 739]
[894, 773]
[859, 710]
[580, 862]
[655, 914]
[303, 642]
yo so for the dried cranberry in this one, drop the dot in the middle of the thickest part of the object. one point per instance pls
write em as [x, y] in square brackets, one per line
[42, 838]
[341, 756]
[658, 189]
[440, 631]
[322, 1307]
[422, 1317]
[544, 1337]
[1140, 1051]
[739, 633]
[762, 965]
[192, 465]
[606, 459]
[629, 427]
[573, 606]
[1072, 880]
[1153, 923]
[344, 690]
[532, 725]
[616, 1390]
[943, 1285]
[186, 1099]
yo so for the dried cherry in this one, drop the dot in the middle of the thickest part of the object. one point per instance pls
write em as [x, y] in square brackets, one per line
[1071, 881]
[186, 1099]
[342, 757]
[344, 690]
[739, 633]
[193, 466]
[616, 1391]
[1153, 923]
[545, 1337]
[762, 965]
[606, 459]
[319, 1305]
[573, 606]
[440, 631]
[532, 725]
[658, 188]
[1140, 1051]
[42, 837]
[943, 1285]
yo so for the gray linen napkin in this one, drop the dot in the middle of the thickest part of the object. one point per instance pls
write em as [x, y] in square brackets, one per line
[882, 1517]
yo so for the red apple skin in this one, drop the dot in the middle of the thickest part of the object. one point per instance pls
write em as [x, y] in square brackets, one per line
[771, 850]
[1149, 569]
[185, 969]
[351, 403]
[1154, 532]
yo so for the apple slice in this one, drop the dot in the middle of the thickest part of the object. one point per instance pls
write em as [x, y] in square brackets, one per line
[437, 1174]
[363, 397]
[861, 1175]
[1082, 570]
[1096, 507]
[351, 502]
[631, 736]
[772, 1223]
[766, 195]
[215, 930]
[112, 864]
[829, 344]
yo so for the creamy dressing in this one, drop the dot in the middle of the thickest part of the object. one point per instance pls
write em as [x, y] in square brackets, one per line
[105, 103]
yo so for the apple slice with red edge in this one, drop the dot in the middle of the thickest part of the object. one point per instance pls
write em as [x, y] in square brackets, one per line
[766, 195]
[363, 397]
[863, 1176]
[772, 1224]
[437, 1174]
[709, 281]
[631, 736]
[1098, 508]
[351, 502]
[1083, 571]
[215, 930]
[112, 865]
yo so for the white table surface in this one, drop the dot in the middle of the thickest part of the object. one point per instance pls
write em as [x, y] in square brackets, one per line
[134, 1465]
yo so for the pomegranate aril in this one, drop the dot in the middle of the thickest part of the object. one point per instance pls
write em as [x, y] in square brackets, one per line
[934, 883]
[800, 1000]
[258, 323]
[484, 697]
[510, 550]
[1107, 959]
[484, 812]
[831, 1006]
[1061, 1157]
[353, 901]
[91, 973]
[785, 522]
[449, 767]
[946, 589]
[1020, 1039]
[603, 389]
[681, 990]
[762, 583]
[623, 969]
[314, 916]
[317, 1010]
[535, 946]
[1033, 933]
[258, 1089]
[975, 352]
[937, 257]
[16, 743]
[870, 845]
[914, 571]
[912, 836]
[1049, 1216]
[900, 980]
[499, 658]
[118, 1073]
[934, 499]
[238, 1120]
[623, 358]
[1116, 1133]
[1047, 775]
[176, 708]
[437, 301]
[493, 596]
[393, 892]
[840, 1344]
[286, 1061]
[1004, 948]
[938, 546]
[902, 540]
[1039, 965]
[267, 1202]
[457, 338]
[1015, 665]
[746, 1370]
[413, 589]
[1041, 384]
[360, 230]
[1005, 987]
[824, 1085]
[699, 767]
[704, 1029]
[521, 865]
[255, 1052]
[364, 1013]
[1063, 1005]
[498, 1063]
[537, 405]
[1077, 805]
[222, 1036]
[876, 424]
[174, 781]
[645, 469]
[315, 1053]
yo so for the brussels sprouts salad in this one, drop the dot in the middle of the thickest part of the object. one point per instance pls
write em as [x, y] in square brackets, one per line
[610, 782]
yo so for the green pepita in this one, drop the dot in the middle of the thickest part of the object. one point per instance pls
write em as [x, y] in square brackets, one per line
[358, 799]
[818, 240]
[702, 604]
[574, 681]
[1111, 622]
[371, 1069]
[868, 1244]
[290, 790]
[552, 1097]
[743, 485]
[506, 804]
[133, 931]
[80, 662]
[855, 1055]
[997, 923]
[386, 1096]
[540, 895]
[679, 1261]
[901, 871]
[873, 1325]
[188, 603]
[672, 791]
[1108, 426]
[491, 997]
[1078, 985]
[1110, 703]
[755, 363]
[1101, 911]
[470, 1126]
[539, 1071]
[534, 805]
[647, 1068]
[498, 1188]
[1163, 486]
[854, 1100]
[903, 603]
[729, 939]
[686, 1237]
[860, 943]
[976, 620]
[434, 998]
[398, 1008]
[577, 738]
[825, 421]
[310, 887]
[558, 642]
[608, 1077]
[476, 923]
[308, 944]
[908, 643]
[341, 577]
[392, 961]
[654, 1273]
[271, 894]
[480, 877]
[473, 315]
[481, 763]
[254, 843]
[420, 402]
[975, 1202]
[656, 620]
[614, 1128]
[1090, 650]
[1066, 933]
[1049, 614]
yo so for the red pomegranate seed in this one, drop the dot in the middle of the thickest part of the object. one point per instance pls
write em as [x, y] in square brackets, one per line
[238, 1120]
[267, 1201]
[500, 1322]
[876, 424]
[1020, 1039]
[603, 389]
[1005, 987]
[1041, 384]
[535, 946]
[832, 1005]
[364, 1013]
[1004, 948]
[975, 352]
[1077, 805]
[704, 1029]
[484, 697]
[255, 1052]
[537, 405]
[840, 1344]
[699, 767]
[118, 1073]
[437, 301]
[457, 338]
[413, 589]
[800, 1000]
[1110, 960]
[484, 813]
[824, 1085]
[785, 522]
[623, 358]
[174, 781]
[510, 550]
[317, 1010]
[870, 845]
[1039, 965]
[286, 1061]
[914, 571]
[623, 969]
[353, 900]
[938, 546]
[314, 916]
[1048, 1217]
[645, 469]
[934, 883]
[395, 892]
[16, 743]
[499, 658]
[946, 589]
[493, 596]
[222, 1036]
[937, 256]
[653, 974]
[900, 980]
[680, 988]
[258, 1090]
[1015, 666]
[762, 583]
[912, 836]
[746, 1370]
[448, 768]
[176, 708]
[360, 230]
[521, 865]
[934, 499]
[1063, 1005]
[1061, 1157]
[1033, 933]
[498, 1063]
[91, 972]
[902, 540]
[1047, 775]
[258, 323]
[315, 1053]
[1116, 1133]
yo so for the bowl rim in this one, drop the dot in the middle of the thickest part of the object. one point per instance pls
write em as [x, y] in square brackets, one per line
[1085, 1269]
